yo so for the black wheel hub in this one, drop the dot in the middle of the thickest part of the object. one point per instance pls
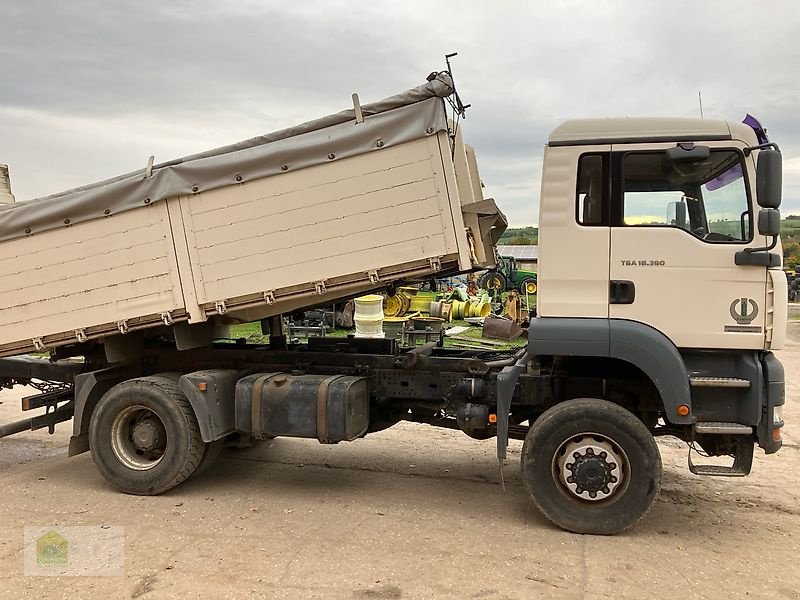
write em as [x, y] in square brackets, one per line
[589, 466]
[146, 435]
[591, 473]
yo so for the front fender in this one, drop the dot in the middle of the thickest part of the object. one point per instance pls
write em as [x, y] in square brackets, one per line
[636, 343]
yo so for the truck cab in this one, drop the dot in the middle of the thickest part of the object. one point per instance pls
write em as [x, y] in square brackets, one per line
[674, 225]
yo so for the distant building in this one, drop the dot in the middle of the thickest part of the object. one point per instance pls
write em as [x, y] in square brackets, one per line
[527, 256]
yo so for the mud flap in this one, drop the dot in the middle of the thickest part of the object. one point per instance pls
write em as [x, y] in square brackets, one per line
[506, 382]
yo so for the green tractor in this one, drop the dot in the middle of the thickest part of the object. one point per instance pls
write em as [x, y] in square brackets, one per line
[506, 276]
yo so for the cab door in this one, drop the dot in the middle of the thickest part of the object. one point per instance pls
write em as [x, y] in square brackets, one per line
[676, 227]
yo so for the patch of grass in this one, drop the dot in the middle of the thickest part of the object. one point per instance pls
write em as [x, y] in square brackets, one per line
[246, 330]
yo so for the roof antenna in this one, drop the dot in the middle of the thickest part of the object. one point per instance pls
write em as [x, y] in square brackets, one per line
[700, 98]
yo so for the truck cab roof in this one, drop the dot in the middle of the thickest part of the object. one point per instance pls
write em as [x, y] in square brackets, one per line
[579, 132]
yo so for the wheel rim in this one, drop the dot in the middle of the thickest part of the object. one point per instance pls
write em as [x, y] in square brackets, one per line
[590, 467]
[138, 438]
[492, 283]
[530, 287]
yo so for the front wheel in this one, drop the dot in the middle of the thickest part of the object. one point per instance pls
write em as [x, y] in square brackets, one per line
[591, 466]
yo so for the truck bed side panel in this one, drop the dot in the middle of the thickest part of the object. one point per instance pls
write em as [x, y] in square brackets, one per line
[349, 217]
[103, 271]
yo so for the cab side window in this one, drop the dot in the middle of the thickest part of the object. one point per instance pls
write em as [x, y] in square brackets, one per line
[591, 198]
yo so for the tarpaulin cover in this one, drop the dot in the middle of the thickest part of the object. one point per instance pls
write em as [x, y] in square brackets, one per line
[404, 117]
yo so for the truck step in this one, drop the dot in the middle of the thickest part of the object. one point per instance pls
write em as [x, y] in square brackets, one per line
[742, 459]
[720, 428]
[719, 382]
[718, 470]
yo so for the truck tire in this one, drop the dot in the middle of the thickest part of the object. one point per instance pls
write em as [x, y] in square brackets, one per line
[591, 466]
[144, 436]
[528, 286]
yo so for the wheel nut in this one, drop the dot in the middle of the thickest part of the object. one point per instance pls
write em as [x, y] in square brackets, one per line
[603, 455]
[613, 480]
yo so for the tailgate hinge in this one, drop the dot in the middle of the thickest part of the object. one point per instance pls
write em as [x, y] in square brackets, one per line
[320, 287]
[122, 326]
[269, 297]
[373, 276]
[38, 344]
[80, 334]
[436, 263]
[220, 307]
[167, 318]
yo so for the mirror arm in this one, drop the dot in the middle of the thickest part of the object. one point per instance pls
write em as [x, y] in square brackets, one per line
[765, 248]
[749, 150]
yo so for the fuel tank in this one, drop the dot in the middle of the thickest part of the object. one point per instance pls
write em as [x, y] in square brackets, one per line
[330, 408]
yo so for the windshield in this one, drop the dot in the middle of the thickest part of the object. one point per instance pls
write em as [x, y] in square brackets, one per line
[707, 199]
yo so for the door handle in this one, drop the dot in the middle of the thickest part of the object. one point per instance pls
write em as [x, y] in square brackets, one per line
[621, 291]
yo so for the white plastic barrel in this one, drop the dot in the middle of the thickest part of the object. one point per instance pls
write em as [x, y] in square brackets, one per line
[369, 316]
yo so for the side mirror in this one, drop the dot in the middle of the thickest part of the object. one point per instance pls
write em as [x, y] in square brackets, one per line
[769, 222]
[768, 180]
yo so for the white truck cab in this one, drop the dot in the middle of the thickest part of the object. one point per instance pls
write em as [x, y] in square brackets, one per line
[660, 263]
[660, 299]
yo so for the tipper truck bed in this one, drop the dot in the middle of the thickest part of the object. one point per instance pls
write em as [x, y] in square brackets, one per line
[327, 209]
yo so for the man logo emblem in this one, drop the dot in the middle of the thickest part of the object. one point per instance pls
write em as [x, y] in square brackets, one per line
[744, 310]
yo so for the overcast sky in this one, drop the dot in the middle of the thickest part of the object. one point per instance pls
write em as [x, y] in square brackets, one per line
[90, 88]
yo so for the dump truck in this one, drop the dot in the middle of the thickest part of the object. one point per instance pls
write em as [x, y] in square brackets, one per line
[125, 289]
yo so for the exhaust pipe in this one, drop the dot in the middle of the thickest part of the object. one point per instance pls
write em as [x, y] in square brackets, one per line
[6, 197]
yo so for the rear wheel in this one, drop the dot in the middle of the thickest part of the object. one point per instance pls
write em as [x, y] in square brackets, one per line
[144, 436]
[591, 466]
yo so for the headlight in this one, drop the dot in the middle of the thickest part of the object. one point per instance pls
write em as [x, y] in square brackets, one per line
[777, 414]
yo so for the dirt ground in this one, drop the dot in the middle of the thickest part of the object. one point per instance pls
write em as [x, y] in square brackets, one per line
[413, 512]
